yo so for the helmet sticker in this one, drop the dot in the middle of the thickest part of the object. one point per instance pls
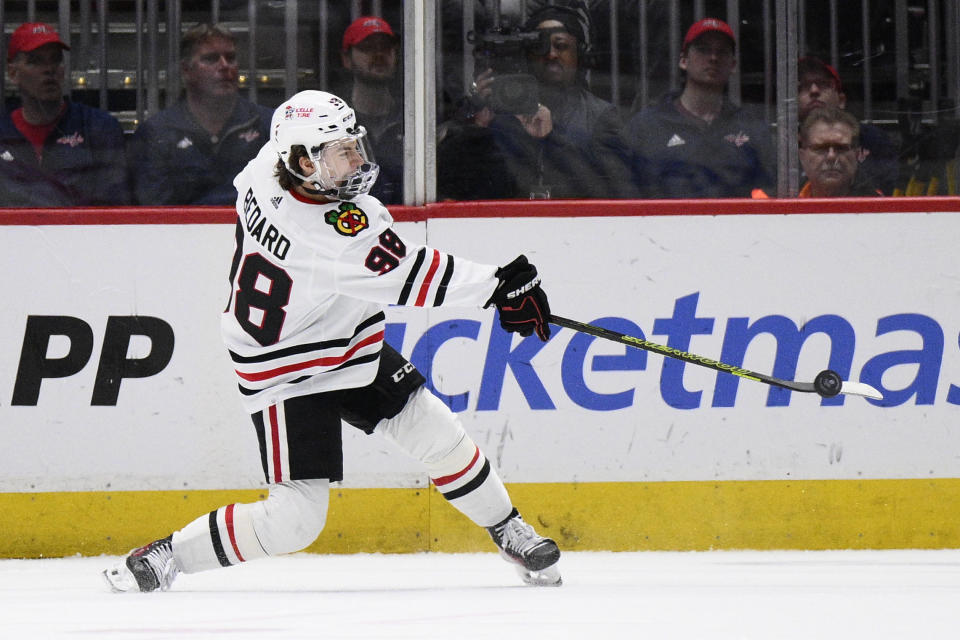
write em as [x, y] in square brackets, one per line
[348, 219]
[290, 112]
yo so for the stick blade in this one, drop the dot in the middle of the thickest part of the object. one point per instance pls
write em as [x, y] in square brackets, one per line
[860, 389]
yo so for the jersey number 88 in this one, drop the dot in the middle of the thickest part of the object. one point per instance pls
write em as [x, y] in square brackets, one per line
[263, 290]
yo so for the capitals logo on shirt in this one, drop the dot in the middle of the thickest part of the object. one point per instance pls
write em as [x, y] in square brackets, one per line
[348, 220]
[739, 139]
[73, 140]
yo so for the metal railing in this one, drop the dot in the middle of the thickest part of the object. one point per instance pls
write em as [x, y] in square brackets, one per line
[124, 56]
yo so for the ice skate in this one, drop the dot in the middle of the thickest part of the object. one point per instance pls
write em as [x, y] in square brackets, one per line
[148, 568]
[534, 556]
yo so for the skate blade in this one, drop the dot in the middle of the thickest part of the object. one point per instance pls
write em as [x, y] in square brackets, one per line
[547, 577]
[120, 580]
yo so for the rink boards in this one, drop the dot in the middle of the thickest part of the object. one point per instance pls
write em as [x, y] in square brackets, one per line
[120, 418]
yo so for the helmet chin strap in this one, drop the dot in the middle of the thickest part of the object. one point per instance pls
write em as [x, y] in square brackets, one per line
[313, 192]
[319, 191]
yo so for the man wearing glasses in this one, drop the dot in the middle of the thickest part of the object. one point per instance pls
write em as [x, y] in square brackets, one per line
[829, 145]
[818, 85]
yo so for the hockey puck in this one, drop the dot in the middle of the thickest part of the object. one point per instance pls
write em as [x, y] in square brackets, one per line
[827, 383]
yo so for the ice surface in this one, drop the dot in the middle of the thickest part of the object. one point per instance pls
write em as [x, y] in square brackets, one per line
[654, 595]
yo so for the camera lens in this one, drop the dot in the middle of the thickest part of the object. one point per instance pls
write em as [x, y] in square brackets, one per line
[514, 93]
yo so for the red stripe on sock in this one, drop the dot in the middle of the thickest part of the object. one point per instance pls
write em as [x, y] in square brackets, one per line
[228, 518]
[275, 439]
[448, 479]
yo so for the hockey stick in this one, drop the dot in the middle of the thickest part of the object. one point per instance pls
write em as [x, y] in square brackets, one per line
[827, 383]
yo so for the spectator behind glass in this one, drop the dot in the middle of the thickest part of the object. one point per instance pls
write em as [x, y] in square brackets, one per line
[587, 121]
[371, 53]
[54, 152]
[190, 152]
[695, 143]
[818, 85]
[829, 148]
[550, 138]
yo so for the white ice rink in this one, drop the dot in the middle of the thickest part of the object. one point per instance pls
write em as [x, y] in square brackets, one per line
[675, 596]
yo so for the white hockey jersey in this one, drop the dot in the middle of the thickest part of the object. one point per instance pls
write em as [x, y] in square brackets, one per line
[309, 282]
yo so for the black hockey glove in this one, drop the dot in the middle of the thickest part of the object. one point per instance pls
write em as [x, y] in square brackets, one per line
[522, 303]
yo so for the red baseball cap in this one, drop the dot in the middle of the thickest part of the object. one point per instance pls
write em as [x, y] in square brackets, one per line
[364, 27]
[30, 36]
[808, 64]
[706, 26]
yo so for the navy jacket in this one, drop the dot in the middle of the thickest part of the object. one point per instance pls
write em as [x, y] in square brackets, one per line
[879, 158]
[83, 162]
[677, 156]
[503, 161]
[173, 160]
[593, 126]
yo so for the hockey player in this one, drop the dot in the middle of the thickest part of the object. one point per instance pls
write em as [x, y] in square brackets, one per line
[316, 261]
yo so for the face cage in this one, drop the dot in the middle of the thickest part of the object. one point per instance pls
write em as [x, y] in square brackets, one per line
[326, 177]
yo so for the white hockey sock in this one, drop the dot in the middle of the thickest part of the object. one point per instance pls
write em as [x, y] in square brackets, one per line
[468, 481]
[288, 520]
[221, 538]
[427, 430]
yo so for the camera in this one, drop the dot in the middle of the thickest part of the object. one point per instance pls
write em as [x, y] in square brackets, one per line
[505, 50]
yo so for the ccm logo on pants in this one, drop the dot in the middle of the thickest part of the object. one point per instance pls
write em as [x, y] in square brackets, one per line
[114, 364]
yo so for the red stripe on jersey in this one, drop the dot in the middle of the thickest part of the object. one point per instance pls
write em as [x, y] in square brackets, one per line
[275, 439]
[228, 517]
[425, 287]
[318, 362]
[448, 479]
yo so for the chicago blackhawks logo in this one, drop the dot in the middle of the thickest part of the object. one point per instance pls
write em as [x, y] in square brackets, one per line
[348, 220]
